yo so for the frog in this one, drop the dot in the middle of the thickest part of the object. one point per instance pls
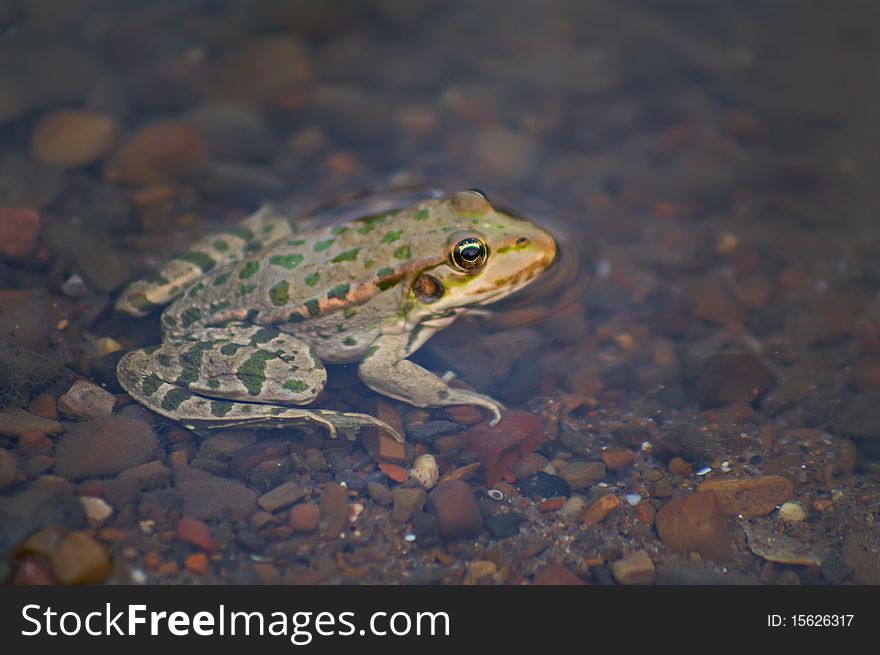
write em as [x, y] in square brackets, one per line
[255, 312]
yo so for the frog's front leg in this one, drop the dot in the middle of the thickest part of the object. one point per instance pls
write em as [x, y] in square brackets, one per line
[386, 370]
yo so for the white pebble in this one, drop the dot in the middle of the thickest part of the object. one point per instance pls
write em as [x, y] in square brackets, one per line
[704, 470]
[633, 499]
[725, 467]
[426, 471]
[495, 494]
[96, 509]
[792, 512]
[138, 576]
[410, 537]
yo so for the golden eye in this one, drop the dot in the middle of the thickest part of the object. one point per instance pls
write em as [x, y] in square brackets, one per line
[469, 254]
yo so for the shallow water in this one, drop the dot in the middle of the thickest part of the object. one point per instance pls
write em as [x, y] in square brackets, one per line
[711, 171]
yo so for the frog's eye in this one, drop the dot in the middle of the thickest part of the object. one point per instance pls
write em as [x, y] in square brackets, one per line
[469, 254]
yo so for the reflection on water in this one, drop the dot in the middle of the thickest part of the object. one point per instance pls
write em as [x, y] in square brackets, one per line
[708, 170]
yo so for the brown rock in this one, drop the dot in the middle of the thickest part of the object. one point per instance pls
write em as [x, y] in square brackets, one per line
[391, 450]
[281, 496]
[196, 563]
[379, 493]
[14, 422]
[750, 497]
[8, 468]
[46, 406]
[206, 496]
[195, 532]
[580, 475]
[334, 508]
[677, 466]
[79, 559]
[85, 400]
[19, 228]
[453, 505]
[556, 574]
[617, 460]
[465, 414]
[502, 445]
[695, 523]
[635, 568]
[405, 502]
[159, 152]
[103, 446]
[34, 442]
[645, 513]
[71, 138]
[600, 509]
[304, 518]
[729, 377]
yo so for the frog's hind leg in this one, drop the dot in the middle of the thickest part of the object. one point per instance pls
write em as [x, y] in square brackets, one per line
[252, 234]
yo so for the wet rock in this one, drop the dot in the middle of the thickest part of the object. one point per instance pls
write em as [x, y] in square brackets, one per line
[70, 138]
[304, 518]
[635, 568]
[97, 510]
[334, 509]
[195, 532]
[159, 152]
[281, 496]
[479, 572]
[425, 529]
[499, 447]
[556, 574]
[528, 464]
[696, 523]
[600, 509]
[206, 496]
[453, 505]
[232, 132]
[861, 552]
[677, 466]
[432, 430]
[729, 377]
[44, 405]
[544, 485]
[465, 414]
[503, 524]
[223, 445]
[426, 471]
[95, 258]
[35, 507]
[391, 450]
[79, 559]
[617, 460]
[860, 417]
[750, 497]
[123, 489]
[775, 546]
[8, 468]
[103, 446]
[580, 475]
[248, 458]
[19, 228]
[675, 573]
[379, 493]
[573, 507]
[405, 502]
[792, 512]
[85, 400]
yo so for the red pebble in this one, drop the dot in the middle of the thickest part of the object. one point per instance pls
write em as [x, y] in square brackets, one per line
[502, 445]
[194, 532]
[18, 231]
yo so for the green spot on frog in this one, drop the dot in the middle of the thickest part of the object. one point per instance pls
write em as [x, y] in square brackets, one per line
[313, 307]
[421, 215]
[297, 386]
[347, 256]
[371, 351]
[242, 232]
[391, 237]
[279, 294]
[402, 252]
[252, 374]
[191, 363]
[151, 384]
[174, 398]
[385, 272]
[194, 289]
[170, 321]
[213, 383]
[245, 289]
[312, 279]
[295, 242]
[220, 408]
[221, 279]
[190, 316]
[163, 360]
[339, 229]
[248, 270]
[157, 279]
[321, 246]
[339, 291]
[349, 341]
[253, 246]
[230, 349]
[264, 335]
[220, 245]
[217, 306]
[289, 262]
[202, 260]
[340, 327]
[368, 264]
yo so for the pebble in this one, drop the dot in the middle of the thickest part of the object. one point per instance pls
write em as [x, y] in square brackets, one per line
[617, 460]
[528, 464]
[391, 450]
[160, 152]
[27, 183]
[19, 229]
[544, 485]
[44, 405]
[453, 505]
[405, 502]
[304, 518]
[79, 559]
[479, 571]
[103, 446]
[334, 510]
[581, 475]
[573, 507]
[196, 563]
[394, 472]
[97, 510]
[600, 509]
[206, 496]
[792, 512]
[726, 378]
[24, 320]
[425, 529]
[695, 523]
[195, 532]
[426, 471]
[281, 496]
[70, 138]
[465, 414]
[503, 524]
[774, 546]
[132, 481]
[223, 445]
[8, 468]
[379, 493]
[13, 102]
[677, 466]
[750, 497]
[635, 568]
[633, 499]
[85, 400]
[499, 447]
[556, 574]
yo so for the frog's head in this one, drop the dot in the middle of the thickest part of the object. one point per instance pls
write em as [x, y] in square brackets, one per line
[488, 255]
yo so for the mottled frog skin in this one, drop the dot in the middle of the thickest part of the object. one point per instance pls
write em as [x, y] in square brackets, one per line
[260, 308]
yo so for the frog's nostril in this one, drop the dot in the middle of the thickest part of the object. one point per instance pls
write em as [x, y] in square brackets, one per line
[523, 241]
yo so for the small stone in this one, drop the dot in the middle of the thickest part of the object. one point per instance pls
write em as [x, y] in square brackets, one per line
[456, 510]
[281, 496]
[97, 510]
[645, 513]
[617, 460]
[503, 524]
[479, 571]
[775, 546]
[544, 485]
[159, 152]
[334, 509]
[450, 444]
[861, 553]
[379, 493]
[70, 138]
[391, 450]
[729, 377]
[425, 529]
[635, 568]
[750, 497]
[528, 464]
[19, 228]
[432, 430]
[103, 446]
[46, 406]
[502, 445]
[600, 509]
[315, 460]
[677, 466]
[465, 414]
[695, 523]
[206, 496]
[196, 533]
[79, 559]
[85, 400]
[426, 471]
[556, 574]
[196, 563]
[304, 518]
[581, 475]
[792, 512]
[573, 507]
[405, 502]
[224, 444]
